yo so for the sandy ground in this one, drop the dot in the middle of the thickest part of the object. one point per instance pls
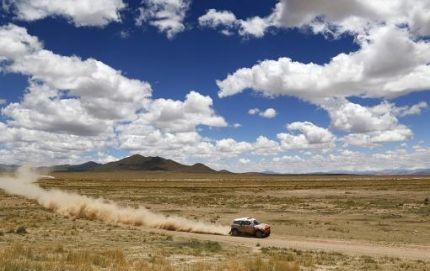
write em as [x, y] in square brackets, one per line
[354, 248]
[354, 222]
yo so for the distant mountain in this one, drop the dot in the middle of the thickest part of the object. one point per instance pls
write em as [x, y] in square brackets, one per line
[67, 168]
[425, 171]
[141, 163]
[134, 163]
[388, 172]
[7, 168]
[85, 166]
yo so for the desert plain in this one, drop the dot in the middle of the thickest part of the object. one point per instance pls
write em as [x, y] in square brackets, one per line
[327, 222]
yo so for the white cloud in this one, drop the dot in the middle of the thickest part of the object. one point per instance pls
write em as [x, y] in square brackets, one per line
[412, 110]
[253, 111]
[73, 107]
[309, 136]
[214, 18]
[288, 159]
[398, 133]
[356, 118]
[227, 22]
[244, 161]
[166, 15]
[237, 125]
[15, 42]
[232, 147]
[390, 63]
[402, 70]
[352, 15]
[176, 116]
[81, 13]
[2, 101]
[328, 17]
[265, 146]
[104, 92]
[370, 126]
[43, 108]
[269, 113]
[342, 160]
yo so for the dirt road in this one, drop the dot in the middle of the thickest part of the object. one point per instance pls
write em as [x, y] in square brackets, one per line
[412, 252]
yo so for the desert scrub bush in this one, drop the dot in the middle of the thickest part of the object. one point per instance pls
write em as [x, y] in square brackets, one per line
[196, 247]
[94, 260]
[260, 263]
[21, 230]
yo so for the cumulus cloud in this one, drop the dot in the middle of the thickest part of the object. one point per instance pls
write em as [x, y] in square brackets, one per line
[392, 61]
[176, 116]
[376, 70]
[233, 147]
[227, 22]
[288, 159]
[352, 15]
[42, 108]
[253, 111]
[166, 15]
[268, 113]
[398, 133]
[237, 125]
[169, 128]
[370, 126]
[214, 18]
[266, 146]
[352, 117]
[80, 13]
[326, 16]
[73, 107]
[415, 109]
[244, 161]
[306, 135]
[341, 160]
[104, 92]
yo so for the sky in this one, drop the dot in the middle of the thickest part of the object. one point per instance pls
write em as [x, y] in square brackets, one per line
[284, 86]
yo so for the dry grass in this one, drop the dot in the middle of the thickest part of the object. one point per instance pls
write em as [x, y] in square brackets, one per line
[19, 257]
[383, 209]
[345, 207]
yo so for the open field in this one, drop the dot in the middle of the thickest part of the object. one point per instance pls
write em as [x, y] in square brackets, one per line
[318, 223]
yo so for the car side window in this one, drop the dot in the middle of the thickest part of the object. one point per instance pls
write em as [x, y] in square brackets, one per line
[246, 223]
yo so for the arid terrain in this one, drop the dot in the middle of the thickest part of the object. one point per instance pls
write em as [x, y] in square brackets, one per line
[318, 223]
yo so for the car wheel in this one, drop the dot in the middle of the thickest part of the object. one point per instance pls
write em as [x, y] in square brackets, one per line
[259, 234]
[234, 232]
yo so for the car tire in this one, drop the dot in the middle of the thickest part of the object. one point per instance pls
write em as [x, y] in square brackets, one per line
[234, 232]
[260, 234]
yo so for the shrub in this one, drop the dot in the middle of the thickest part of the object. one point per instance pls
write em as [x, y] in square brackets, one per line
[21, 230]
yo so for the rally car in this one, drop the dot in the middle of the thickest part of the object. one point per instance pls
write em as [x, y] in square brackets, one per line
[249, 226]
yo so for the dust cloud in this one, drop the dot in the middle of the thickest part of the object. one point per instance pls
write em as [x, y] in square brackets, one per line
[74, 205]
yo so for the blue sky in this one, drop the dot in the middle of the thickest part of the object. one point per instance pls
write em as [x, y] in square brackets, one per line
[339, 90]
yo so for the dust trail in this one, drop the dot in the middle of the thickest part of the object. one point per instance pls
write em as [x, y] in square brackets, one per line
[77, 206]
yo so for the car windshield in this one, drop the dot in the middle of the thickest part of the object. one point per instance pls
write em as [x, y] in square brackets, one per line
[256, 222]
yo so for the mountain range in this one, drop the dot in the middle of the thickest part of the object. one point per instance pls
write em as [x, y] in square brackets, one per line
[135, 162]
[138, 162]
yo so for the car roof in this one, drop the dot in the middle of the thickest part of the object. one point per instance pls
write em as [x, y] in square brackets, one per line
[244, 218]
